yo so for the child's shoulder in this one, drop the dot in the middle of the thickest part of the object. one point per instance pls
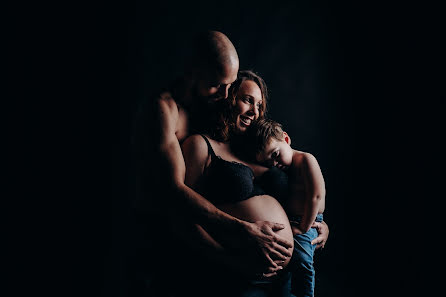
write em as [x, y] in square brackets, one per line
[300, 157]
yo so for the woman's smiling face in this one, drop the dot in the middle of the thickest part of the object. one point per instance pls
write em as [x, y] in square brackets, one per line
[247, 106]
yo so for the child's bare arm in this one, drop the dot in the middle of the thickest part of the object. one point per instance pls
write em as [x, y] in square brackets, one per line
[314, 187]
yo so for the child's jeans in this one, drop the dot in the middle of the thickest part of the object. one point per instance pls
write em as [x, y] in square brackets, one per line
[301, 264]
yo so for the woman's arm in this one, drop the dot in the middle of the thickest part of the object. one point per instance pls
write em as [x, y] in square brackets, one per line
[314, 187]
[195, 152]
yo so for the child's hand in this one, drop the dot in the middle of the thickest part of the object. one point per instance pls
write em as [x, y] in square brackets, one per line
[322, 230]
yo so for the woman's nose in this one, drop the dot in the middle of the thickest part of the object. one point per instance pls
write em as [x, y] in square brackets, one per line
[254, 110]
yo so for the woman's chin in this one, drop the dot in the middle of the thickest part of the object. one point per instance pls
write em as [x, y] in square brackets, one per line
[240, 129]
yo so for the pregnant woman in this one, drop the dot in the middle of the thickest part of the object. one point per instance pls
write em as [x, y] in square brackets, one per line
[214, 171]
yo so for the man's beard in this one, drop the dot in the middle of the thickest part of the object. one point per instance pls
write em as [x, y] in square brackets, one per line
[209, 114]
[210, 100]
[211, 107]
[205, 100]
[214, 98]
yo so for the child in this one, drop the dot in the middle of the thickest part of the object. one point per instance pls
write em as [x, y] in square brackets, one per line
[306, 195]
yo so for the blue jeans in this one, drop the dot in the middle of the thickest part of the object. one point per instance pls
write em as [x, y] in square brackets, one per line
[301, 264]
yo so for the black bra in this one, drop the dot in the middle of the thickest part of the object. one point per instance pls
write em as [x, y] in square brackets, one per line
[229, 181]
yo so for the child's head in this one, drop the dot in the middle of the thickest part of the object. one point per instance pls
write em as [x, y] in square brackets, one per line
[270, 143]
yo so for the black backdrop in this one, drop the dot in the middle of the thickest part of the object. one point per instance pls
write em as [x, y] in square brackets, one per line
[300, 52]
[354, 84]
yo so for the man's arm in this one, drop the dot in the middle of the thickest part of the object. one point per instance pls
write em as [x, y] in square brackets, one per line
[259, 235]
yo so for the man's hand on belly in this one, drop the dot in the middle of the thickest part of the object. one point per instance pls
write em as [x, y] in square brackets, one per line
[274, 249]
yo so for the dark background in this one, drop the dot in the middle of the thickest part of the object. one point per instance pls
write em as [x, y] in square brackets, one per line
[357, 85]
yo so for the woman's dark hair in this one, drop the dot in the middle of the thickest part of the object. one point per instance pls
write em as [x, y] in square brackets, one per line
[226, 124]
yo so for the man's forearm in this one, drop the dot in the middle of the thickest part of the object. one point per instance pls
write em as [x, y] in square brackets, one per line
[201, 211]
[184, 199]
[209, 250]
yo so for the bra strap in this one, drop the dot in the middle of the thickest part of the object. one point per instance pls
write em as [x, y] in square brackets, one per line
[211, 151]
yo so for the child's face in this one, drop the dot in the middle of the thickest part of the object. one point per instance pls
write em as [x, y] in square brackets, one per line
[277, 153]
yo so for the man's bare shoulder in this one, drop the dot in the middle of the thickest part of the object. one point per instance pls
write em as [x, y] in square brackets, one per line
[172, 113]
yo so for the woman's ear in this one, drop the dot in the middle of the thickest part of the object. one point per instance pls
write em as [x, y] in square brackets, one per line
[287, 138]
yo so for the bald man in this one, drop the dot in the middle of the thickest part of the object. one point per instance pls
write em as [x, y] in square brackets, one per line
[184, 109]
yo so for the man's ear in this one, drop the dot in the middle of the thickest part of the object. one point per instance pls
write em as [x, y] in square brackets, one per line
[287, 138]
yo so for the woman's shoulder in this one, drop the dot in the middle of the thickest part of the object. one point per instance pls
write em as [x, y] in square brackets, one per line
[195, 139]
[195, 143]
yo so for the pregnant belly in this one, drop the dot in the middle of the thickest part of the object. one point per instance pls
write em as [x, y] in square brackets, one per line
[261, 208]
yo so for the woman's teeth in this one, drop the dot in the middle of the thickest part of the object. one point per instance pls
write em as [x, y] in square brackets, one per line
[246, 121]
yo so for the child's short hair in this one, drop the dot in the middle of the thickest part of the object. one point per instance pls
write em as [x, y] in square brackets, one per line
[259, 134]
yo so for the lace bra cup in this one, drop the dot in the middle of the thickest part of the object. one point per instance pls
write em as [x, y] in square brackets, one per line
[229, 181]
[275, 183]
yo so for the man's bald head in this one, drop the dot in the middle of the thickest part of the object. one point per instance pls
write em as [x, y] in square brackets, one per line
[216, 65]
[214, 50]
